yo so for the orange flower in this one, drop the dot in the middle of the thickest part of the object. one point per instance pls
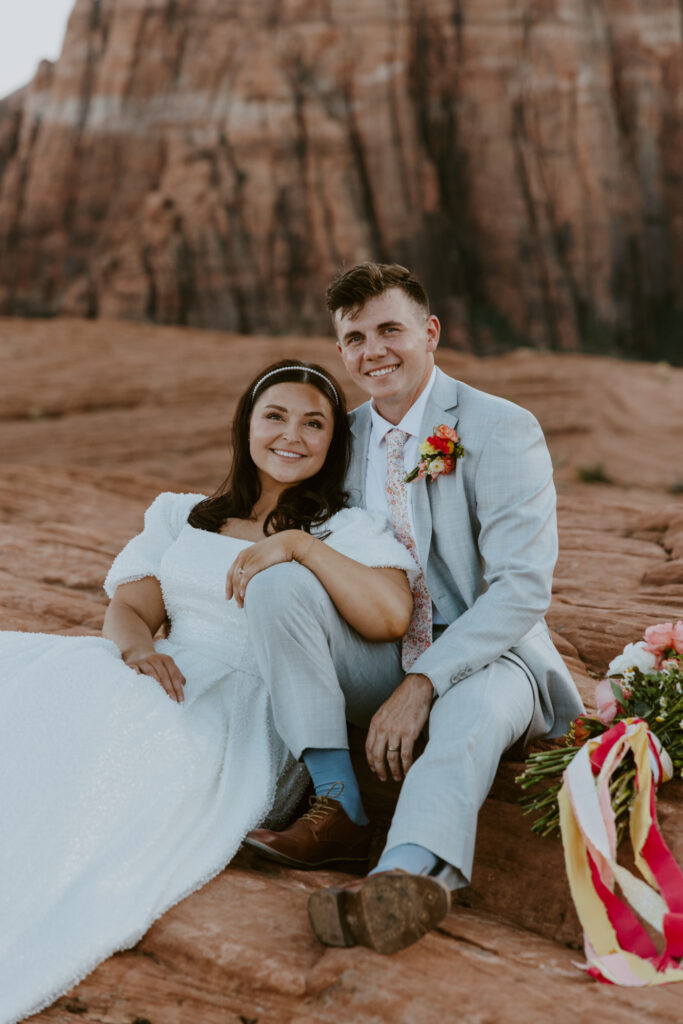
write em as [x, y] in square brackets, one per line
[581, 733]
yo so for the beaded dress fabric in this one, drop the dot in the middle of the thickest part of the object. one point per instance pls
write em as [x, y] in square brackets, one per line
[117, 802]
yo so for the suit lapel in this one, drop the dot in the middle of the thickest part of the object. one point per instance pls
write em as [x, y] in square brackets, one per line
[361, 423]
[441, 408]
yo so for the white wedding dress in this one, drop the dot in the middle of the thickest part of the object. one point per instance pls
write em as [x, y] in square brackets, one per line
[115, 801]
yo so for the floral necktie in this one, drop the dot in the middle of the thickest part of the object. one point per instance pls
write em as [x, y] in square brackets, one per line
[419, 635]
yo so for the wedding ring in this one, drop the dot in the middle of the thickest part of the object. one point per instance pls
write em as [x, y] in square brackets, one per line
[241, 571]
[393, 750]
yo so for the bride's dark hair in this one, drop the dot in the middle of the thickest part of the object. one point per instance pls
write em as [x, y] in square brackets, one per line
[307, 503]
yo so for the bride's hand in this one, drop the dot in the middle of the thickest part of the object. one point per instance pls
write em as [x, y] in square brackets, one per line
[162, 668]
[287, 546]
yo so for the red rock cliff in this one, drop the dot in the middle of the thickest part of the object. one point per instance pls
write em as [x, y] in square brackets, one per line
[213, 162]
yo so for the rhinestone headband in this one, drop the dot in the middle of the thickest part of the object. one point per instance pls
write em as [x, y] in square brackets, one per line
[304, 369]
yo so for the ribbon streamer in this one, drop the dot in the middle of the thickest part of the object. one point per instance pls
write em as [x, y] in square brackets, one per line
[618, 948]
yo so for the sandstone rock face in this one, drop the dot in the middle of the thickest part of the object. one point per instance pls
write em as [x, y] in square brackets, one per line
[95, 420]
[214, 162]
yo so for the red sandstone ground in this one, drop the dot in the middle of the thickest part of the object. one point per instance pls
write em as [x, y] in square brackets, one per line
[96, 418]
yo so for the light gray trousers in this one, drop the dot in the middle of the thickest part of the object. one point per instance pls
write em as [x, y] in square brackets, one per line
[321, 673]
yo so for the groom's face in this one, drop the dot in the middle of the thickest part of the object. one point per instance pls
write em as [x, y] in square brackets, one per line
[387, 347]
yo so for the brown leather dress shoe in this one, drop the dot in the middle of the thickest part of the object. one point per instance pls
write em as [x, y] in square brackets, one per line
[325, 835]
[386, 912]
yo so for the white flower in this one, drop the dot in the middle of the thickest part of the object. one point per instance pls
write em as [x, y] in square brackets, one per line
[436, 466]
[680, 724]
[633, 656]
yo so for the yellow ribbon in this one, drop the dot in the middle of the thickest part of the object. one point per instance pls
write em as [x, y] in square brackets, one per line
[585, 826]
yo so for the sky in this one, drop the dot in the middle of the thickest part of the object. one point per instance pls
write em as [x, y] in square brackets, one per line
[29, 31]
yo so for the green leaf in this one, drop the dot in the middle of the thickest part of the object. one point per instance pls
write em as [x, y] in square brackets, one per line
[617, 692]
[641, 709]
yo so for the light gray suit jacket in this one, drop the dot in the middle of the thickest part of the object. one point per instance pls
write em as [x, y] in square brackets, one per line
[487, 535]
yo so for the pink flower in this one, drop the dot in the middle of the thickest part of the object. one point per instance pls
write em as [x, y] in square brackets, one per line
[608, 706]
[422, 469]
[677, 637]
[659, 639]
[447, 432]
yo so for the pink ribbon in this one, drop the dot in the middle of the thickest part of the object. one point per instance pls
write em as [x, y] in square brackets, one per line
[630, 934]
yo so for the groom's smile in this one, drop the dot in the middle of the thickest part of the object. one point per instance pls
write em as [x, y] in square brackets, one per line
[384, 371]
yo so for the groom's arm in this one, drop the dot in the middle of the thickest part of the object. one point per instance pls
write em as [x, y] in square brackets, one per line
[517, 543]
[514, 500]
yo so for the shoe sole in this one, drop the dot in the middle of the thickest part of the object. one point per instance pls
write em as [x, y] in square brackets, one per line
[292, 862]
[388, 913]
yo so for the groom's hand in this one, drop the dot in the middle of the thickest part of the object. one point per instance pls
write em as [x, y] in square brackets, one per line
[395, 727]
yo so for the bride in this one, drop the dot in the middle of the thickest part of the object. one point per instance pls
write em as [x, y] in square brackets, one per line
[134, 767]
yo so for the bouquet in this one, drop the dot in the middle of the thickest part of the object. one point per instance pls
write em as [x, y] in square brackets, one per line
[644, 682]
[438, 454]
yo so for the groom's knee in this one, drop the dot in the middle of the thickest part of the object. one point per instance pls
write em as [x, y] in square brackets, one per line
[287, 588]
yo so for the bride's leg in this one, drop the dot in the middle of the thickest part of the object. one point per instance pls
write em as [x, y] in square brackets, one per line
[319, 671]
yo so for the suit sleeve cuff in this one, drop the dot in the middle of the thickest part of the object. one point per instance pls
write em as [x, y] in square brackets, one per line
[440, 673]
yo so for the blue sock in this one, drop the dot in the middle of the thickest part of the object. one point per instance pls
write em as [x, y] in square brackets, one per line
[330, 767]
[409, 857]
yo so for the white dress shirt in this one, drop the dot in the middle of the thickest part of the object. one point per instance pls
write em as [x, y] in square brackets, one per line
[376, 469]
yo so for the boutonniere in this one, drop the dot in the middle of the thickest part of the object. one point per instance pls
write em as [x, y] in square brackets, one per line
[437, 454]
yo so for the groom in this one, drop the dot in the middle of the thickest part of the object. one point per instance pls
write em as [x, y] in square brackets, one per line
[477, 669]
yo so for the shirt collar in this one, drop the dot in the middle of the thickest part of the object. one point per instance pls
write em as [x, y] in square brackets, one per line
[411, 421]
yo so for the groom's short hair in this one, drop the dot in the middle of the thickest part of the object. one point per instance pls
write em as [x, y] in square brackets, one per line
[352, 288]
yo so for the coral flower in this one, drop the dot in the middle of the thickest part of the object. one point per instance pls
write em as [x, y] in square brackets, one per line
[445, 431]
[677, 637]
[659, 638]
